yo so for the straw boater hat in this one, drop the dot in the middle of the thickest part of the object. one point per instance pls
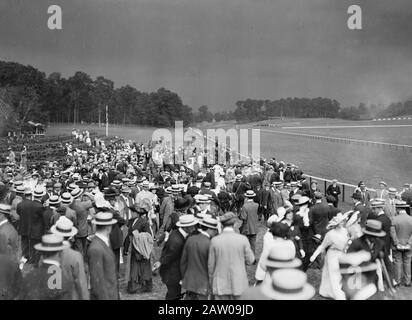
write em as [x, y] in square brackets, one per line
[110, 193]
[28, 191]
[296, 197]
[125, 189]
[377, 203]
[39, 192]
[104, 219]
[373, 228]
[303, 200]
[288, 284]
[282, 254]
[72, 186]
[54, 200]
[250, 194]
[116, 183]
[76, 193]
[209, 222]
[20, 190]
[277, 183]
[64, 227]
[175, 188]
[186, 220]
[66, 198]
[401, 204]
[146, 184]
[51, 243]
[392, 191]
[5, 208]
[383, 183]
[238, 177]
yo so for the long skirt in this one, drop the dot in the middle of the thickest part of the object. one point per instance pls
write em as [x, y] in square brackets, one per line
[140, 272]
[331, 283]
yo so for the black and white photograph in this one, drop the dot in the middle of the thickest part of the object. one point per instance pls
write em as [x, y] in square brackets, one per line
[223, 151]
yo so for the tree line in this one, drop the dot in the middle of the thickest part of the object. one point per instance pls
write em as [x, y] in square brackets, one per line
[28, 94]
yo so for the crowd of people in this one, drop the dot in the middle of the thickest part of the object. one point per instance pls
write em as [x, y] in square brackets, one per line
[99, 215]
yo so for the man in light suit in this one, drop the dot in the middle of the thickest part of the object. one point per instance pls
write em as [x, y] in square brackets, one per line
[249, 217]
[228, 253]
[390, 203]
[102, 262]
[401, 234]
[275, 197]
[72, 263]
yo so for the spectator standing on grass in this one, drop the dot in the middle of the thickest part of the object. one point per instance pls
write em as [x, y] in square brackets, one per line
[365, 195]
[194, 261]
[382, 192]
[402, 244]
[303, 222]
[390, 203]
[363, 212]
[249, 217]
[333, 211]
[169, 264]
[334, 191]
[229, 251]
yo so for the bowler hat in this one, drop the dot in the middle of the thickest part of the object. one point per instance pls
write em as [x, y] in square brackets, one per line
[182, 203]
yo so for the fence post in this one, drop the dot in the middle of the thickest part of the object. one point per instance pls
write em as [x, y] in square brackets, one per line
[325, 186]
[343, 193]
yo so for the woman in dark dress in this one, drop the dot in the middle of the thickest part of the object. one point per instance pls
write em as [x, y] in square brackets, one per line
[140, 278]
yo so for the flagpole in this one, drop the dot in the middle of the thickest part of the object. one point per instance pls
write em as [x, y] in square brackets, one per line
[107, 120]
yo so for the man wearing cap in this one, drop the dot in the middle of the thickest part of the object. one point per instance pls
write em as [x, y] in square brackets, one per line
[249, 217]
[171, 254]
[32, 224]
[364, 193]
[37, 284]
[102, 261]
[194, 261]
[228, 253]
[406, 194]
[334, 191]
[401, 234]
[72, 263]
[8, 233]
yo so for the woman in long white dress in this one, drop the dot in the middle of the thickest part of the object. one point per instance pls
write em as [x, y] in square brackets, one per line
[335, 244]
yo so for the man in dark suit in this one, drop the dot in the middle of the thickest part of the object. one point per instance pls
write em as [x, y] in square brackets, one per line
[319, 216]
[377, 207]
[364, 212]
[333, 211]
[102, 261]
[8, 232]
[48, 281]
[32, 224]
[334, 191]
[10, 274]
[194, 261]
[249, 217]
[171, 255]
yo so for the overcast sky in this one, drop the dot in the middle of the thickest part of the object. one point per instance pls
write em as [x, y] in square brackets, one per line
[216, 52]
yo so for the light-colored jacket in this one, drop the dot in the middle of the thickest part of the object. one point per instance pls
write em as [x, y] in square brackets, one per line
[228, 254]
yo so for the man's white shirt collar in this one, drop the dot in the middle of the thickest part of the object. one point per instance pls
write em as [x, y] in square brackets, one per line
[103, 238]
[183, 232]
[204, 232]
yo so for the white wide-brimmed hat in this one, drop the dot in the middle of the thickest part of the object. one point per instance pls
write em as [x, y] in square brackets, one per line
[104, 219]
[288, 284]
[51, 242]
[186, 220]
[64, 227]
